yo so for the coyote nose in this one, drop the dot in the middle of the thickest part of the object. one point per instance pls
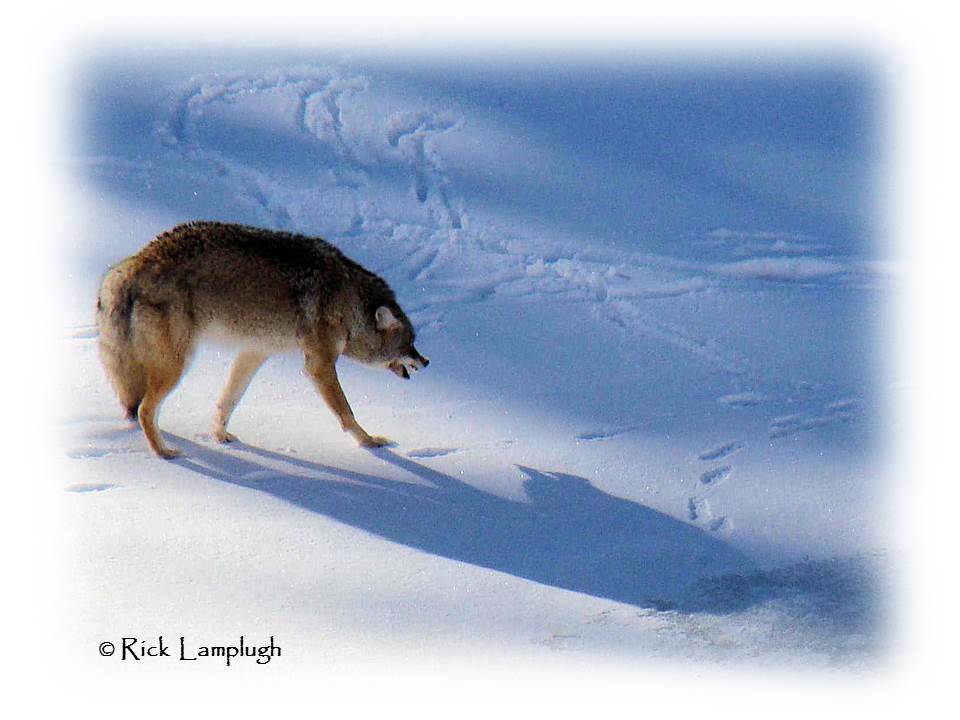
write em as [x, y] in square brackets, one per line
[426, 361]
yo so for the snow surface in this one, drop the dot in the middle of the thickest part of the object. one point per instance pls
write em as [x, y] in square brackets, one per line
[652, 296]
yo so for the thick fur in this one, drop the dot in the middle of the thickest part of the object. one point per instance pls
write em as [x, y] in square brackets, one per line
[261, 290]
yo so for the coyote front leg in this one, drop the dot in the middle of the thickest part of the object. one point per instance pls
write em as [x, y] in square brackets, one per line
[323, 371]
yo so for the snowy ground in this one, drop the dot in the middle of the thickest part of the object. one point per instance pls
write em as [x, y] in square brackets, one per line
[653, 299]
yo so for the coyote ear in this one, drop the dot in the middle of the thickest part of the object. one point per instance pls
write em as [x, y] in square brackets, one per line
[385, 318]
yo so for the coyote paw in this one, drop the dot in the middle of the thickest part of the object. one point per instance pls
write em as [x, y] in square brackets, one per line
[374, 441]
[169, 454]
[222, 436]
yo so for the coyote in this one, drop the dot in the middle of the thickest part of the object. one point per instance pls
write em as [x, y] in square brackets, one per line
[265, 291]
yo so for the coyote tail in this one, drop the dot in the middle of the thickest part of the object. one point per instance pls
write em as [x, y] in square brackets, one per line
[115, 305]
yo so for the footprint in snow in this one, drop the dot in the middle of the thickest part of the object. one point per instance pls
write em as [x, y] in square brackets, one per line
[843, 405]
[430, 452]
[606, 434]
[716, 476]
[843, 410]
[721, 524]
[85, 453]
[747, 399]
[721, 451]
[698, 509]
[88, 487]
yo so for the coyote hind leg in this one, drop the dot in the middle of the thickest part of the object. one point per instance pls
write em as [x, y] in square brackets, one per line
[160, 381]
[241, 373]
[164, 352]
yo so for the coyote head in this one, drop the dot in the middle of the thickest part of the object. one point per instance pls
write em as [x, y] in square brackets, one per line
[395, 349]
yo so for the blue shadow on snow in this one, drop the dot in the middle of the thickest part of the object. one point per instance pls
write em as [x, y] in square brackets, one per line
[568, 534]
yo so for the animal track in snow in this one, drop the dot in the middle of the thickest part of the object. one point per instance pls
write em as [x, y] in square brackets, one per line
[89, 487]
[431, 452]
[204, 90]
[91, 452]
[416, 125]
[321, 112]
[420, 261]
[616, 617]
[318, 113]
[722, 451]
[720, 524]
[745, 399]
[843, 408]
[607, 433]
[412, 134]
[838, 411]
[709, 351]
[698, 509]
[716, 476]
[319, 102]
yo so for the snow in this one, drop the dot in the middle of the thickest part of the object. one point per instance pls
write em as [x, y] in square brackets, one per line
[778, 268]
[652, 424]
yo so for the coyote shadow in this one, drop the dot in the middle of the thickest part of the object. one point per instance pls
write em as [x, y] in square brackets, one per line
[568, 534]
